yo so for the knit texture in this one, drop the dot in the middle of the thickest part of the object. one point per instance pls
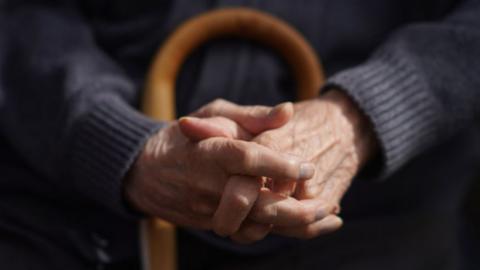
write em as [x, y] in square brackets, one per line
[390, 91]
[106, 145]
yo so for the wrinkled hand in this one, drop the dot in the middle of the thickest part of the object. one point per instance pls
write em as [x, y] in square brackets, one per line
[328, 131]
[182, 182]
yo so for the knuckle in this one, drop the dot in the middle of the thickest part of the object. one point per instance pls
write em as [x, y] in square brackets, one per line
[256, 110]
[350, 166]
[216, 149]
[212, 107]
[240, 201]
[309, 235]
[192, 204]
[268, 139]
[248, 156]
[340, 173]
[265, 214]
[229, 155]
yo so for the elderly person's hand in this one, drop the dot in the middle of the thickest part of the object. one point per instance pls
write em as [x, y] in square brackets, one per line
[329, 131]
[182, 182]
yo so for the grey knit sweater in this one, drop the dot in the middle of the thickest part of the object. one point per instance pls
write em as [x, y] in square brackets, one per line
[71, 75]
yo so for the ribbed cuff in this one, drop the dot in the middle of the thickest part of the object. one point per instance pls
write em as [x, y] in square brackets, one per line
[106, 145]
[392, 93]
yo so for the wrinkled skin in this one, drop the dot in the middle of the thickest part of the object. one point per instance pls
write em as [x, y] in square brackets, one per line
[183, 181]
[329, 132]
[238, 169]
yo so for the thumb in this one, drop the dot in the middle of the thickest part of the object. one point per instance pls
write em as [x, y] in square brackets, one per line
[255, 119]
[197, 129]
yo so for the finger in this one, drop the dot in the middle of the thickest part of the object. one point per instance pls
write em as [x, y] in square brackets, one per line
[273, 208]
[285, 188]
[238, 198]
[248, 158]
[321, 227]
[197, 129]
[276, 117]
[255, 119]
[332, 189]
[251, 232]
[329, 164]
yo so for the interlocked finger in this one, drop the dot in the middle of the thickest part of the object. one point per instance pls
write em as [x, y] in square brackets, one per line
[255, 119]
[238, 198]
[249, 158]
[327, 225]
[251, 232]
[279, 210]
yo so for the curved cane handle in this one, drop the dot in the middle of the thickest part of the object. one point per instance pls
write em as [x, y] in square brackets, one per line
[159, 95]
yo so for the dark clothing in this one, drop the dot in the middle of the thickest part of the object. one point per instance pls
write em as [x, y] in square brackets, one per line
[71, 73]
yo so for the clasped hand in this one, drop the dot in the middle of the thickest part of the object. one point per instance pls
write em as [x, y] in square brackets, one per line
[246, 171]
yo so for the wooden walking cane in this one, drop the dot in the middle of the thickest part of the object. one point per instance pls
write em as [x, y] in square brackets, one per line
[159, 246]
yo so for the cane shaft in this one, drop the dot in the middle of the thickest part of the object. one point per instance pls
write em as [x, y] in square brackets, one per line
[159, 95]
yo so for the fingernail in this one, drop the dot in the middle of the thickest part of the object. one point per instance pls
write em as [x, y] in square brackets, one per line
[189, 118]
[306, 171]
[333, 223]
[278, 108]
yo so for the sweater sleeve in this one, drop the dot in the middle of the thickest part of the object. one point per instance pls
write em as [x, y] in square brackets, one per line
[421, 86]
[66, 107]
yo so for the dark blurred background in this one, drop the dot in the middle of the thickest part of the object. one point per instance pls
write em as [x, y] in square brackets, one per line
[471, 212]
[472, 226]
